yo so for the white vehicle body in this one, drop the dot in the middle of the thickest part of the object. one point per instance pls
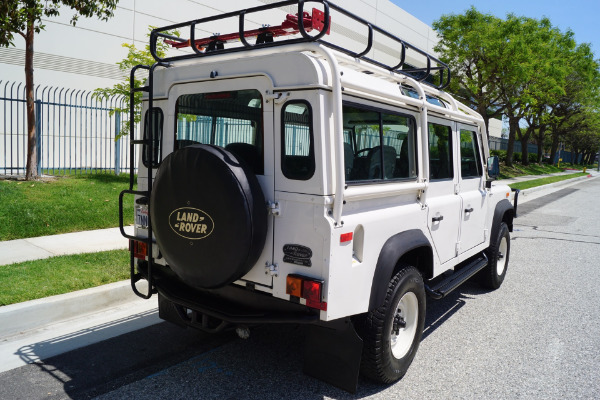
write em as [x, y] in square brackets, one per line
[342, 213]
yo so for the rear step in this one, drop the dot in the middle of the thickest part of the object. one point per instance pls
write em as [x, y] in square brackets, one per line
[447, 285]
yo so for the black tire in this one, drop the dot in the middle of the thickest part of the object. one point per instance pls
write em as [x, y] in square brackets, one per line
[388, 348]
[208, 215]
[492, 276]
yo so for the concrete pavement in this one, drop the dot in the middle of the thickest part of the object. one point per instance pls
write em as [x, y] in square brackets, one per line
[41, 328]
[14, 251]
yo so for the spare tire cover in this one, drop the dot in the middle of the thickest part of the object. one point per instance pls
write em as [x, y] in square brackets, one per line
[209, 215]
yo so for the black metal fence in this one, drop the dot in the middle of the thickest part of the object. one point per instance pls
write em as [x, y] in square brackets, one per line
[75, 132]
[502, 144]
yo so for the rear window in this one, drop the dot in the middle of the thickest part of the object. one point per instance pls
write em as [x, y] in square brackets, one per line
[232, 120]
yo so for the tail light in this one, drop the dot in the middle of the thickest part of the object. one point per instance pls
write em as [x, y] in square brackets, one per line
[139, 249]
[308, 289]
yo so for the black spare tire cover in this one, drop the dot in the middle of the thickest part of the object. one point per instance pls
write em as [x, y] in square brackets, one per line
[209, 215]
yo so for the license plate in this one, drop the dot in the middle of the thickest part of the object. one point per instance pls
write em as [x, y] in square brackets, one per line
[141, 217]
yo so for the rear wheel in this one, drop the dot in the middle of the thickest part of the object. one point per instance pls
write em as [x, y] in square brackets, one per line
[392, 332]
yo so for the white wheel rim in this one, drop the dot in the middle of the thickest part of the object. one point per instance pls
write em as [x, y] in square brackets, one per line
[408, 310]
[501, 259]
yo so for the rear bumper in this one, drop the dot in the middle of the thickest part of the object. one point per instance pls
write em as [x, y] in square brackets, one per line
[215, 309]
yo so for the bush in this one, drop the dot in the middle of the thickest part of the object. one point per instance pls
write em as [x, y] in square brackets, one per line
[500, 153]
[532, 157]
[516, 156]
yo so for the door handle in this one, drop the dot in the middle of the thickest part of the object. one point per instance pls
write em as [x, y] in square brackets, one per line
[469, 210]
[437, 219]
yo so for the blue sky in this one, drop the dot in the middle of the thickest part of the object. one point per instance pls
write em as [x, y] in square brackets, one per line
[581, 16]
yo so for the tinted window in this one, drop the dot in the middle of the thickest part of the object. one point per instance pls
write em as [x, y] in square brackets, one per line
[156, 126]
[297, 154]
[470, 159]
[440, 152]
[232, 120]
[378, 145]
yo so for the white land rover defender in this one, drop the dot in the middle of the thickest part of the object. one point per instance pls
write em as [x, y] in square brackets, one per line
[284, 178]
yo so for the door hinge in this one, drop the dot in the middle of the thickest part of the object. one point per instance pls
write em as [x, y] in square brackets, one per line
[456, 188]
[457, 249]
[273, 208]
[271, 269]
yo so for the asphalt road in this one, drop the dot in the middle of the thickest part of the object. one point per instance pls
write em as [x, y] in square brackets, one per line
[537, 337]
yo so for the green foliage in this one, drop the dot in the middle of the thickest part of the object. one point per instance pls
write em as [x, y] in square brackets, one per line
[61, 205]
[19, 16]
[57, 275]
[545, 181]
[134, 57]
[500, 153]
[523, 68]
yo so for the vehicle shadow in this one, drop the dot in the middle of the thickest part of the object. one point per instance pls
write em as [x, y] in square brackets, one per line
[165, 361]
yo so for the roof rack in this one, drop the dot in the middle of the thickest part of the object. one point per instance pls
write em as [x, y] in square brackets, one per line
[304, 24]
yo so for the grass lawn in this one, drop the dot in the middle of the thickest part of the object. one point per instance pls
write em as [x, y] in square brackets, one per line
[61, 205]
[531, 169]
[545, 181]
[41, 278]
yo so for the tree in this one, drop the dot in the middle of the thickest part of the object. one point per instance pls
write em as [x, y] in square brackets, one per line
[472, 46]
[24, 17]
[134, 57]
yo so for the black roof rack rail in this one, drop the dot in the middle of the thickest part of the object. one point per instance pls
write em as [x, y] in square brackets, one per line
[303, 23]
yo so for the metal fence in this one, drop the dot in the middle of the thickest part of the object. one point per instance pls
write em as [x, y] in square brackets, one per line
[75, 132]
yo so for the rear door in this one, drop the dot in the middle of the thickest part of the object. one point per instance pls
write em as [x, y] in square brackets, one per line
[235, 114]
[471, 188]
[442, 194]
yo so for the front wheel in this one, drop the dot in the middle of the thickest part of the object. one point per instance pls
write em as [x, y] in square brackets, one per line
[498, 253]
[392, 332]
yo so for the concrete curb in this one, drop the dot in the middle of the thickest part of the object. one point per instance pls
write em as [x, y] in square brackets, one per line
[34, 314]
[555, 184]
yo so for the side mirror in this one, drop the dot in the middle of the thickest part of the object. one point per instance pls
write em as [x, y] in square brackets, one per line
[493, 169]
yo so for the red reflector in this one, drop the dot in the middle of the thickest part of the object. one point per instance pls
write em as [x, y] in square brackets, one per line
[140, 250]
[311, 291]
[346, 237]
[293, 286]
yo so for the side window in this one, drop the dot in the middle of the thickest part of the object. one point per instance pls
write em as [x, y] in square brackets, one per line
[156, 122]
[297, 152]
[399, 147]
[470, 158]
[232, 120]
[363, 142]
[440, 152]
[378, 145]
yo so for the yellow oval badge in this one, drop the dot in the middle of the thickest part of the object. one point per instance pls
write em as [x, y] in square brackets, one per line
[191, 223]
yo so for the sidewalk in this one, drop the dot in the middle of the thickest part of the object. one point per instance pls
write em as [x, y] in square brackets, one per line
[41, 328]
[14, 251]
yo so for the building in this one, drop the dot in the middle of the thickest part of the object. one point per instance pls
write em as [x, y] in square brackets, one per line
[85, 56]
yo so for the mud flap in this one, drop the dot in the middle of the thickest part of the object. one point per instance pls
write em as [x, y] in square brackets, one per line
[332, 353]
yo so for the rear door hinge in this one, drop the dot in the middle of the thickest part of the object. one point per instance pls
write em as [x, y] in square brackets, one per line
[273, 208]
[271, 269]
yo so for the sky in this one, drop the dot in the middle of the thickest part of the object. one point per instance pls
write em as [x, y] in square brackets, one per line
[580, 16]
